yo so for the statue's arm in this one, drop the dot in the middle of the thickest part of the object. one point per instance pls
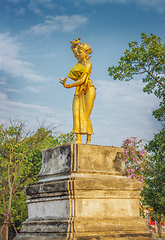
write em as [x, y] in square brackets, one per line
[74, 50]
[76, 83]
[74, 46]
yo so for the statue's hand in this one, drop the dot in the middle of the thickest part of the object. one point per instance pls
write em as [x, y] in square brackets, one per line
[76, 41]
[63, 82]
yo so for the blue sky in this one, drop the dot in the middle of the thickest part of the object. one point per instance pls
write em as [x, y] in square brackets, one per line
[35, 52]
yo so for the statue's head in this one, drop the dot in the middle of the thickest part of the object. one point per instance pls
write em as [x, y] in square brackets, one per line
[87, 49]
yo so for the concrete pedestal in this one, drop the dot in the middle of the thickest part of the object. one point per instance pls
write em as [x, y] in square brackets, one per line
[84, 193]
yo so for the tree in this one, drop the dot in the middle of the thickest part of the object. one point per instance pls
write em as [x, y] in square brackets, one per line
[20, 161]
[135, 157]
[154, 172]
[146, 58]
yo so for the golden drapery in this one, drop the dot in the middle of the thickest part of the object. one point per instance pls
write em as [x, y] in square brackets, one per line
[83, 100]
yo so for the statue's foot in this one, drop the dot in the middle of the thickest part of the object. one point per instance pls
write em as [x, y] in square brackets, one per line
[78, 142]
[88, 139]
[78, 138]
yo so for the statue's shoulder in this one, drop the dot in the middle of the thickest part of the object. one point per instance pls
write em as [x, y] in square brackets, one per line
[88, 65]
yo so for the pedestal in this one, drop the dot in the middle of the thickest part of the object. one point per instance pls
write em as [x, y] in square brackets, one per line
[84, 194]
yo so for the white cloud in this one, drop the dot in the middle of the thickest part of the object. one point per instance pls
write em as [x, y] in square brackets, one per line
[51, 55]
[14, 1]
[14, 107]
[122, 110]
[126, 96]
[32, 89]
[21, 11]
[3, 79]
[158, 5]
[2, 83]
[59, 23]
[10, 62]
[11, 90]
[31, 112]
[36, 4]
[35, 9]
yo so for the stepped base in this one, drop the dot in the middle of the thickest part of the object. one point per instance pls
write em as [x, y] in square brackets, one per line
[84, 194]
[85, 229]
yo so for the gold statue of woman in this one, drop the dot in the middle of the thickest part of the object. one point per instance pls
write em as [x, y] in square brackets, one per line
[85, 92]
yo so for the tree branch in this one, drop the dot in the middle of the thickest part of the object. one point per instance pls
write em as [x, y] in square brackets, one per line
[3, 200]
[141, 72]
[8, 172]
[154, 67]
[20, 183]
[154, 77]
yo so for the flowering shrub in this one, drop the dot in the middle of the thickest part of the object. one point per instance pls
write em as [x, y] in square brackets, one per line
[135, 157]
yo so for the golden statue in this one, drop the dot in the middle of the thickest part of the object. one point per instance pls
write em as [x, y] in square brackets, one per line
[85, 92]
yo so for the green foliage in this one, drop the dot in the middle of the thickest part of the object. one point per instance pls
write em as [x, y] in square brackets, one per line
[20, 162]
[135, 157]
[19, 210]
[146, 58]
[154, 172]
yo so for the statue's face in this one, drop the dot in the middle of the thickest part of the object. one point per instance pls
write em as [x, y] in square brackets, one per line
[81, 53]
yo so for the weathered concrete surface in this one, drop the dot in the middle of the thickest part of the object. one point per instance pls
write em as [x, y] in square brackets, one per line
[79, 158]
[83, 193]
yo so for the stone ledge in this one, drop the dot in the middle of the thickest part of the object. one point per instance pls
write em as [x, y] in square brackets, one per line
[80, 158]
[71, 237]
[81, 187]
[86, 225]
[86, 236]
